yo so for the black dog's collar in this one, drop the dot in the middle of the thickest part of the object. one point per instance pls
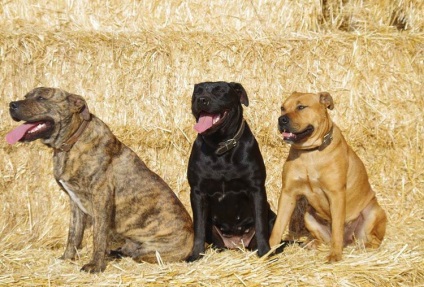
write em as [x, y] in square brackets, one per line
[231, 143]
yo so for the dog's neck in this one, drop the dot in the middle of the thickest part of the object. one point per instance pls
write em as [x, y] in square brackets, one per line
[226, 145]
[67, 144]
[326, 141]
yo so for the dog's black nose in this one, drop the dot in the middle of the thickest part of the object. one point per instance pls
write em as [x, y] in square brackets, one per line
[13, 106]
[283, 120]
[203, 101]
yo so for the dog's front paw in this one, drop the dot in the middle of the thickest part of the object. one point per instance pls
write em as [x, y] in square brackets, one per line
[196, 252]
[193, 257]
[264, 250]
[334, 257]
[67, 256]
[93, 267]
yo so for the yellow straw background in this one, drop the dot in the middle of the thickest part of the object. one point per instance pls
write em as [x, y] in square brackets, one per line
[136, 62]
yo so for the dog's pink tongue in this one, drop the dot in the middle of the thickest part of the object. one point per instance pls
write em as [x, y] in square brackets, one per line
[205, 122]
[18, 133]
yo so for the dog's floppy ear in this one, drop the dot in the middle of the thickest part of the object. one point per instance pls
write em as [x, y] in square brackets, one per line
[241, 92]
[326, 99]
[78, 105]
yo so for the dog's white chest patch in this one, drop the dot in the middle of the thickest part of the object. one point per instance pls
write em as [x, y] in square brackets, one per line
[73, 196]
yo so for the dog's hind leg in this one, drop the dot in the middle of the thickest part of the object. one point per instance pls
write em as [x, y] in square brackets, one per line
[371, 231]
[320, 231]
[164, 251]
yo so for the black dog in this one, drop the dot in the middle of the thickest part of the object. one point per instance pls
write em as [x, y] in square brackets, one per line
[226, 173]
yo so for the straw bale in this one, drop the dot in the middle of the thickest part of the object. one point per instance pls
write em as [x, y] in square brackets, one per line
[136, 63]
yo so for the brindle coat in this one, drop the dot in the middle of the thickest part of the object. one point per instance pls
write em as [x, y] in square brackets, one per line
[107, 181]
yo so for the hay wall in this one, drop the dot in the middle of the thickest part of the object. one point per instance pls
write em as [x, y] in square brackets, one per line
[136, 63]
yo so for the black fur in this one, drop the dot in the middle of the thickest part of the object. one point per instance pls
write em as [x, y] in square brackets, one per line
[227, 190]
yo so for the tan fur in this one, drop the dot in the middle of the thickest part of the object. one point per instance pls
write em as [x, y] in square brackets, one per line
[342, 205]
[107, 181]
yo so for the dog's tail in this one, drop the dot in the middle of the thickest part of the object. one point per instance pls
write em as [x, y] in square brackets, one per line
[297, 226]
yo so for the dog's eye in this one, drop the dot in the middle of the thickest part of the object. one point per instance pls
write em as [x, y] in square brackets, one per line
[40, 98]
[300, 107]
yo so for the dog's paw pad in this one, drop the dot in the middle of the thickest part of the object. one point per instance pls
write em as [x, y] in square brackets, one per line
[66, 256]
[334, 257]
[93, 268]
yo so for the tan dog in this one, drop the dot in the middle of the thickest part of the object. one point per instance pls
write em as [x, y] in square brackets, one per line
[105, 180]
[322, 167]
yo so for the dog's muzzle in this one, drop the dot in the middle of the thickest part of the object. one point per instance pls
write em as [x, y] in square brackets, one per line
[291, 135]
[203, 102]
[32, 129]
[13, 109]
[283, 123]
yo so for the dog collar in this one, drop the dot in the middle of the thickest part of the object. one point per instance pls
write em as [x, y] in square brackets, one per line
[227, 145]
[327, 139]
[67, 145]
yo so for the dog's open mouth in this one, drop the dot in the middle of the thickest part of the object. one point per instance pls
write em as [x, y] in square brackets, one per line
[30, 131]
[296, 137]
[235, 241]
[207, 121]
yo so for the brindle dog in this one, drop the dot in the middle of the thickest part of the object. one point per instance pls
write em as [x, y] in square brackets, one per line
[105, 180]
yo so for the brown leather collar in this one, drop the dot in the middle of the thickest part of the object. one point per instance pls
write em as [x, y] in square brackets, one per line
[328, 138]
[231, 143]
[67, 145]
[326, 141]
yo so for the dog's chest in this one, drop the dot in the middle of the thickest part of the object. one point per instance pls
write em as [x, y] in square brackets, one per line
[308, 176]
[64, 169]
[303, 171]
[221, 188]
[75, 197]
[225, 169]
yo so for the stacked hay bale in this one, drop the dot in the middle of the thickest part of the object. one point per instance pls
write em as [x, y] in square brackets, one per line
[136, 64]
